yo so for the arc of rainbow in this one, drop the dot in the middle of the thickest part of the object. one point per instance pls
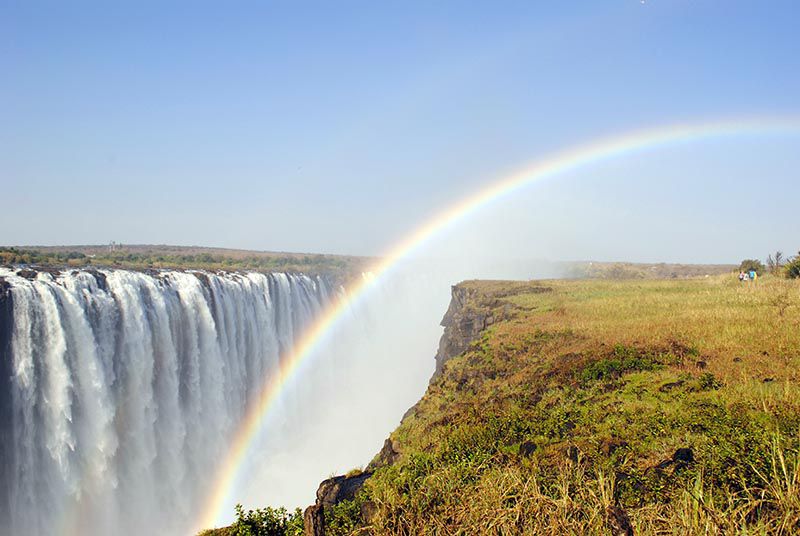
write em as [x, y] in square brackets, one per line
[559, 163]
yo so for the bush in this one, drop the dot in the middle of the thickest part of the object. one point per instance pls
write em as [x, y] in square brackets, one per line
[793, 268]
[752, 264]
[267, 522]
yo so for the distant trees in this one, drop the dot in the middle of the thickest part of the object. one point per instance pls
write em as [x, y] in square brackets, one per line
[748, 265]
[792, 268]
[777, 265]
[774, 264]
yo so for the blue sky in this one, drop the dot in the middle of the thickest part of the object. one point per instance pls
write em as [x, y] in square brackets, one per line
[338, 126]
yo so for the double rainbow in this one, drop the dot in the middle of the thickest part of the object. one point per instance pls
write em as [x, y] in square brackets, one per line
[554, 165]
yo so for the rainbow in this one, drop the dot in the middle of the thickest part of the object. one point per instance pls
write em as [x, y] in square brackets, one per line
[557, 164]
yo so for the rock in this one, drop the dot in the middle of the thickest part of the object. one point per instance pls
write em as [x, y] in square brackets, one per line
[340, 488]
[618, 521]
[27, 274]
[466, 317]
[527, 449]
[461, 327]
[737, 359]
[701, 364]
[388, 455]
[100, 277]
[314, 521]
[331, 492]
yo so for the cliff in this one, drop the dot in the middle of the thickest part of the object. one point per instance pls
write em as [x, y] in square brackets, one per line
[594, 407]
[470, 312]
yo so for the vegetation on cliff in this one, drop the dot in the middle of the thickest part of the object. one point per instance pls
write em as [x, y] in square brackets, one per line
[658, 407]
[180, 258]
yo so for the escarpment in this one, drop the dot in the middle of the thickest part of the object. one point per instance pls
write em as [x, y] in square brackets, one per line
[470, 312]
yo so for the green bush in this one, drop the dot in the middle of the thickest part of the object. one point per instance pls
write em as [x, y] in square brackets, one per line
[267, 522]
[793, 268]
[624, 360]
[752, 264]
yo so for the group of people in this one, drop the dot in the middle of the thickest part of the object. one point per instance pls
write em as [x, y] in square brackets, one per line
[752, 275]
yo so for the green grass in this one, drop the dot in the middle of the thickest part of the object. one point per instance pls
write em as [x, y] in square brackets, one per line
[607, 380]
[577, 401]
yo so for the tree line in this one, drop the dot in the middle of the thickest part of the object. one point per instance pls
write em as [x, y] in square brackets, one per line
[777, 264]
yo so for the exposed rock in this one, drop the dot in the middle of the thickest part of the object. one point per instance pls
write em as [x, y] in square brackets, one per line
[27, 274]
[314, 521]
[618, 521]
[461, 326]
[388, 455]
[467, 316]
[331, 492]
[701, 364]
[100, 277]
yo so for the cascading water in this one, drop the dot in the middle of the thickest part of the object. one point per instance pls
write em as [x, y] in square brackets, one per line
[120, 390]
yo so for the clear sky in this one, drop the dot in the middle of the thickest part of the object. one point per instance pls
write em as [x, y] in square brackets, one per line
[338, 126]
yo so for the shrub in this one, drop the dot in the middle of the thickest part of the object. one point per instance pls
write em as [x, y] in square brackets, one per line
[752, 264]
[793, 268]
[267, 522]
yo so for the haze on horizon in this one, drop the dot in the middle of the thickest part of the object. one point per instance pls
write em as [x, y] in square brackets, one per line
[338, 128]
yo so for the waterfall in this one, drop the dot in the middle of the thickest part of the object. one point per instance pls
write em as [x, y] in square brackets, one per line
[119, 390]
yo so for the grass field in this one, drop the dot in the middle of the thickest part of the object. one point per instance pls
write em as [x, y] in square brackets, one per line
[648, 407]
[671, 405]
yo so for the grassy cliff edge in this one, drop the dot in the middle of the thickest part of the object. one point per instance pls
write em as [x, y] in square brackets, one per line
[595, 407]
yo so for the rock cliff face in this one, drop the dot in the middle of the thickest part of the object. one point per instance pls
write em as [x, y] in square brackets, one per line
[465, 319]
[331, 492]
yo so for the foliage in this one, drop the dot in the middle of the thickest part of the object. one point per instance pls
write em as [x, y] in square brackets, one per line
[748, 265]
[267, 522]
[622, 360]
[603, 381]
[156, 257]
[577, 400]
[343, 518]
[792, 268]
[775, 263]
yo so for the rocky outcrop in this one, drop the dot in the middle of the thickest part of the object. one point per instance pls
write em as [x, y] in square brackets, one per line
[470, 312]
[388, 454]
[331, 492]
